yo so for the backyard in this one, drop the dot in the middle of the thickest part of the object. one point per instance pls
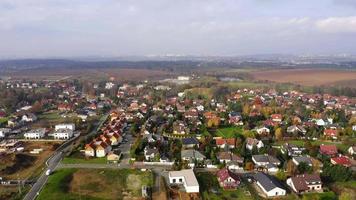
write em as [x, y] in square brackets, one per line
[211, 190]
[229, 132]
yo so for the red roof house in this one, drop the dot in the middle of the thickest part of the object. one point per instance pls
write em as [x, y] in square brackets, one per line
[227, 179]
[342, 160]
[329, 150]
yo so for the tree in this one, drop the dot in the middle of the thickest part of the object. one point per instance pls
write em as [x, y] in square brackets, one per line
[303, 167]
[281, 175]
[278, 133]
[249, 166]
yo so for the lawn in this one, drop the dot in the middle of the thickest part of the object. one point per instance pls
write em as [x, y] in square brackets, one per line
[229, 132]
[74, 160]
[208, 182]
[95, 184]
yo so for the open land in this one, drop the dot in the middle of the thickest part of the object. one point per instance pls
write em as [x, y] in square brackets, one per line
[24, 165]
[119, 74]
[308, 77]
[96, 184]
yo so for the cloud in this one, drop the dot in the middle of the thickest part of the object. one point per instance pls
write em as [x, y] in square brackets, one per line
[337, 24]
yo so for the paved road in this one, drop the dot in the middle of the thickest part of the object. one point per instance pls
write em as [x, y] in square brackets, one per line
[53, 161]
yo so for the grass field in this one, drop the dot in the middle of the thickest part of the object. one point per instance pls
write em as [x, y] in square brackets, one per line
[229, 132]
[308, 77]
[207, 182]
[93, 184]
[74, 160]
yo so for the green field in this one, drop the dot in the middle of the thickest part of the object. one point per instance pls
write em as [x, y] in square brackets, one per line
[208, 182]
[95, 184]
[229, 132]
[74, 160]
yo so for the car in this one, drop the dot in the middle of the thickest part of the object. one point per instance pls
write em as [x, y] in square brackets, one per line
[48, 172]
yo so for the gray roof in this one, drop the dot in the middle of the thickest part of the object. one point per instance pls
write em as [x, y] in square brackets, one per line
[304, 159]
[192, 154]
[266, 158]
[267, 182]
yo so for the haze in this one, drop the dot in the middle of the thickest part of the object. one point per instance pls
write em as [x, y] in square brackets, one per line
[42, 28]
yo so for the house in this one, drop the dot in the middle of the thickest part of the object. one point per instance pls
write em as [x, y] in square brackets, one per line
[4, 132]
[352, 150]
[191, 155]
[180, 128]
[89, 150]
[305, 183]
[229, 143]
[186, 178]
[266, 163]
[235, 118]
[97, 148]
[252, 142]
[65, 126]
[269, 185]
[35, 133]
[328, 150]
[29, 117]
[292, 150]
[331, 133]
[294, 129]
[276, 117]
[341, 160]
[190, 142]
[212, 120]
[113, 157]
[228, 179]
[228, 157]
[63, 134]
[150, 153]
[302, 159]
[263, 130]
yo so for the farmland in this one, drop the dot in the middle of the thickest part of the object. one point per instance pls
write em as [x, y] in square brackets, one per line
[95, 184]
[308, 77]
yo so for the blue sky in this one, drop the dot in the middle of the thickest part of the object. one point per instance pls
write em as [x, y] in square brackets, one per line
[70, 28]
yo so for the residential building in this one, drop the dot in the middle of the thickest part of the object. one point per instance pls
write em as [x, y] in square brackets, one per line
[305, 183]
[186, 178]
[269, 185]
[35, 133]
[328, 150]
[228, 179]
[302, 159]
[65, 126]
[63, 134]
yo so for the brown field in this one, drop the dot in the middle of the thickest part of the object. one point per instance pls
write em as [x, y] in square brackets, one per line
[25, 165]
[308, 77]
[89, 74]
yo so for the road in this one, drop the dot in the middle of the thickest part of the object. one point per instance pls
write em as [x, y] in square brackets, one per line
[54, 160]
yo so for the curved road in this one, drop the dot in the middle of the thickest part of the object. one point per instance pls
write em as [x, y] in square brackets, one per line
[54, 160]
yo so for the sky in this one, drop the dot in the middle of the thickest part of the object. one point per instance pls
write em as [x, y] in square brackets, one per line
[75, 28]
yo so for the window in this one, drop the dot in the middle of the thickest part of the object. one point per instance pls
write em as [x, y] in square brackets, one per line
[276, 193]
[174, 180]
[180, 180]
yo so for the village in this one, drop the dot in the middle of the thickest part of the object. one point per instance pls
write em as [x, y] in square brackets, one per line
[233, 143]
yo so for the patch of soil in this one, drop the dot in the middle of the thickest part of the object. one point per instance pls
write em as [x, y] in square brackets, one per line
[20, 162]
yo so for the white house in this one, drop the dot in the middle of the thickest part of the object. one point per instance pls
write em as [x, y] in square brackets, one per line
[65, 126]
[186, 178]
[263, 130]
[352, 150]
[269, 185]
[4, 132]
[63, 134]
[35, 133]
